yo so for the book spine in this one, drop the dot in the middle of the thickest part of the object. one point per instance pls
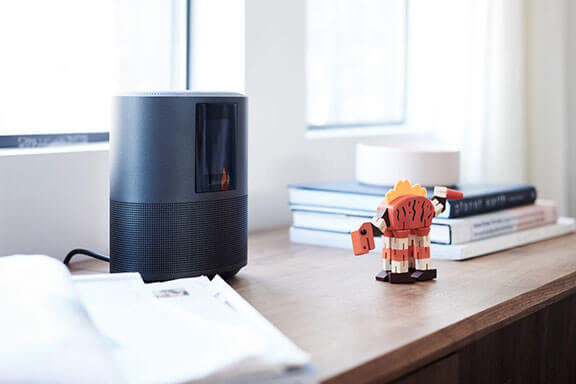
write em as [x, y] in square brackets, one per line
[490, 203]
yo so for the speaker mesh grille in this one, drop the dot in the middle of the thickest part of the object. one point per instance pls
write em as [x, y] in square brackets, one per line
[170, 240]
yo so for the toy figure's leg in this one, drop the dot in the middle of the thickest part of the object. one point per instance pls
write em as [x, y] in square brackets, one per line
[386, 257]
[400, 258]
[424, 270]
[411, 252]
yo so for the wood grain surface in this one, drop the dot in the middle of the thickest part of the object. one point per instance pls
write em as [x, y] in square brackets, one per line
[360, 330]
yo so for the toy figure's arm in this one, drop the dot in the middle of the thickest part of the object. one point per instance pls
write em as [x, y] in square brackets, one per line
[363, 237]
[441, 194]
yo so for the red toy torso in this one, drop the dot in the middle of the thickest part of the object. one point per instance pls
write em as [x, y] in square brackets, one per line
[410, 212]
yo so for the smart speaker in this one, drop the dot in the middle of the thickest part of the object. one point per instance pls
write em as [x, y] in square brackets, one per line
[178, 188]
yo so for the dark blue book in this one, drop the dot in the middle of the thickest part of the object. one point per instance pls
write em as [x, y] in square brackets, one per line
[478, 198]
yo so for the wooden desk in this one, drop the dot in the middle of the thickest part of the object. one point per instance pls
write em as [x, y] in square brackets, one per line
[508, 317]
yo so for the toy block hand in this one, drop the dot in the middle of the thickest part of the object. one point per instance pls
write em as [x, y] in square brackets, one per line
[363, 239]
[452, 194]
[441, 194]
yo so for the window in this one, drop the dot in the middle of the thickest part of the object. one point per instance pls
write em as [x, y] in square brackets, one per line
[63, 60]
[217, 45]
[356, 63]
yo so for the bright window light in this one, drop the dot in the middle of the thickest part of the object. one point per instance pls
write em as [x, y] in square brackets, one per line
[217, 45]
[356, 63]
[63, 60]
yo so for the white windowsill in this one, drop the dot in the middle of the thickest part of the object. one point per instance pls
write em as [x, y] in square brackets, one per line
[394, 133]
[92, 147]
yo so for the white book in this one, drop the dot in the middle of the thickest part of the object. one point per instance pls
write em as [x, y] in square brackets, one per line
[443, 230]
[114, 328]
[563, 226]
[487, 225]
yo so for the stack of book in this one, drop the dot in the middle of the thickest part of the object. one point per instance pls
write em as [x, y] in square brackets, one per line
[488, 219]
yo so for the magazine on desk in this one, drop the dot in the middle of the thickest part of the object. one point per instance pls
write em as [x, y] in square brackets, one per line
[114, 328]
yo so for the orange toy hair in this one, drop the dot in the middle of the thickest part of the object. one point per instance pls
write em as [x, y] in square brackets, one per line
[403, 188]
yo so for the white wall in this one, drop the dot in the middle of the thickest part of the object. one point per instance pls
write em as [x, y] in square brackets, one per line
[279, 152]
[53, 200]
[547, 108]
[570, 103]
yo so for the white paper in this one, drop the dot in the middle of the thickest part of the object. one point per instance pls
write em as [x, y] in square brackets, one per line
[113, 328]
[188, 338]
[46, 336]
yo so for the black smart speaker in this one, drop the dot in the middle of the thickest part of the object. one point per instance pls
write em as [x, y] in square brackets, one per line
[178, 188]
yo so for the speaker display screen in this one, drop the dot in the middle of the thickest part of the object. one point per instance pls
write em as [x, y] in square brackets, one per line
[215, 147]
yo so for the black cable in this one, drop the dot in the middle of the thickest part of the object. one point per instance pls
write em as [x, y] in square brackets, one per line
[85, 252]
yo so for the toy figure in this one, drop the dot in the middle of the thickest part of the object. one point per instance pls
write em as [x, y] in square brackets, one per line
[404, 219]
